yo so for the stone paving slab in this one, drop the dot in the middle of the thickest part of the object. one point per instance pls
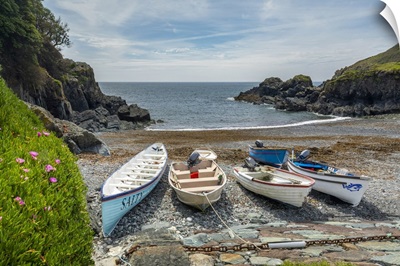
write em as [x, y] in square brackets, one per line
[164, 246]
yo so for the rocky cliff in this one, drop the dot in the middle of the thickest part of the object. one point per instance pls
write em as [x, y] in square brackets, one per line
[369, 87]
[68, 90]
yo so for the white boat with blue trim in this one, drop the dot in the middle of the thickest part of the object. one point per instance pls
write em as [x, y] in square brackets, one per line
[131, 183]
[274, 183]
[337, 182]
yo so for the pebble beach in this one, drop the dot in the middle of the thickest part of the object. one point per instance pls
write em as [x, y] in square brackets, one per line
[368, 146]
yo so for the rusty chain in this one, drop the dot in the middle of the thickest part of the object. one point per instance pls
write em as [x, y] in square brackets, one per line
[264, 246]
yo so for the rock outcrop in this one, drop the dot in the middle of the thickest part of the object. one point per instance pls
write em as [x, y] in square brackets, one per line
[78, 139]
[369, 87]
[360, 93]
[71, 93]
[295, 94]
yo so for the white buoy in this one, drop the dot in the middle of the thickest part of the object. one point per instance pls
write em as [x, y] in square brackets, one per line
[287, 244]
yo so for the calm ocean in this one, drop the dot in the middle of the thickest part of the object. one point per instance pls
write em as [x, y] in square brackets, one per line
[203, 105]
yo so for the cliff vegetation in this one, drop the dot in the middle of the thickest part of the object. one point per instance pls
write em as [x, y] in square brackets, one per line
[43, 199]
[32, 65]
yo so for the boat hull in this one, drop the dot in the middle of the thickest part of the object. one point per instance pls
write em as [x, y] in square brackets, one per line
[202, 190]
[115, 208]
[273, 157]
[199, 201]
[348, 188]
[283, 190]
[148, 173]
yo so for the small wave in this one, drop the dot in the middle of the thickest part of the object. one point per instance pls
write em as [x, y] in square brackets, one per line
[318, 121]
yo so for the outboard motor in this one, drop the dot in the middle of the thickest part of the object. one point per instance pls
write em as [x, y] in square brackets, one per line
[193, 159]
[259, 144]
[303, 155]
[250, 163]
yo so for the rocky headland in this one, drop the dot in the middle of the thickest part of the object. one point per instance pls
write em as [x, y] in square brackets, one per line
[369, 87]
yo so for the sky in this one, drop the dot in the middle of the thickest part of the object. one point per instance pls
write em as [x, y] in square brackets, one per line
[221, 40]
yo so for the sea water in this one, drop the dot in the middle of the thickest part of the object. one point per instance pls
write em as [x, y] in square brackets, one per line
[204, 106]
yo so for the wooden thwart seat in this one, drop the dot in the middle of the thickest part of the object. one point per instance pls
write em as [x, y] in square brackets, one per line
[143, 166]
[141, 169]
[120, 185]
[132, 179]
[137, 174]
[206, 172]
[182, 174]
[197, 180]
[148, 160]
[200, 189]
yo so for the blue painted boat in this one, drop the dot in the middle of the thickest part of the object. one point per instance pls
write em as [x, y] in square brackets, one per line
[268, 156]
[131, 183]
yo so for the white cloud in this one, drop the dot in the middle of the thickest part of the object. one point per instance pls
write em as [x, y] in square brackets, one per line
[200, 40]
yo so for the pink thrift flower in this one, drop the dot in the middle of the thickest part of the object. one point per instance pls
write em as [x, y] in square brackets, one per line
[53, 180]
[49, 168]
[58, 161]
[47, 208]
[26, 170]
[39, 134]
[20, 160]
[46, 133]
[34, 154]
[20, 201]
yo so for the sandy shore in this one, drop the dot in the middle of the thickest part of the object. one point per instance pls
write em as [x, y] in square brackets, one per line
[369, 146]
[349, 143]
[366, 146]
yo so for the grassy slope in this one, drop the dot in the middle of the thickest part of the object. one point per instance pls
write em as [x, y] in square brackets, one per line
[387, 61]
[40, 222]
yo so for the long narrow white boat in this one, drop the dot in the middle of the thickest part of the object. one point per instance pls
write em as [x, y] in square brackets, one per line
[197, 183]
[274, 183]
[131, 183]
[337, 182]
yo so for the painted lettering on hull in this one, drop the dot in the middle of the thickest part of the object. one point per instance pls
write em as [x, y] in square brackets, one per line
[352, 187]
[131, 200]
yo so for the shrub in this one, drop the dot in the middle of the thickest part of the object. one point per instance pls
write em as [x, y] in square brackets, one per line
[43, 216]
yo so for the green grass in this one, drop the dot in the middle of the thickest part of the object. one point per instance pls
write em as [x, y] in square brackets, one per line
[388, 61]
[41, 222]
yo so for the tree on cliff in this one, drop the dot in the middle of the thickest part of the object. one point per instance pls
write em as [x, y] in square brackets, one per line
[29, 34]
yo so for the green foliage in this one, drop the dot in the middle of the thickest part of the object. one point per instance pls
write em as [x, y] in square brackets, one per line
[52, 30]
[387, 61]
[302, 78]
[391, 66]
[28, 31]
[41, 222]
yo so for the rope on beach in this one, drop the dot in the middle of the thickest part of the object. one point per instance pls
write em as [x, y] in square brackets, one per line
[230, 230]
